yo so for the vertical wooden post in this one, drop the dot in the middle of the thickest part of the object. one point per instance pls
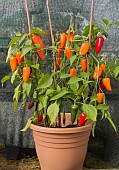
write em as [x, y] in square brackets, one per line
[28, 15]
[50, 21]
[91, 18]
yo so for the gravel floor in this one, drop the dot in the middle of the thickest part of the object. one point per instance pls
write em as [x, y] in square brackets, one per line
[94, 160]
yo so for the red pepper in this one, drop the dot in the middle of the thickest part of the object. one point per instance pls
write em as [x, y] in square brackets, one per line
[102, 87]
[99, 44]
[58, 60]
[40, 117]
[30, 105]
[82, 119]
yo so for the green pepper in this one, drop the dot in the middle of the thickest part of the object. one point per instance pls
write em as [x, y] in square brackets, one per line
[74, 110]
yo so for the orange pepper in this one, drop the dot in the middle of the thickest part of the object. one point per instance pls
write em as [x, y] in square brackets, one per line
[84, 48]
[13, 63]
[19, 59]
[26, 74]
[68, 52]
[107, 84]
[84, 64]
[100, 97]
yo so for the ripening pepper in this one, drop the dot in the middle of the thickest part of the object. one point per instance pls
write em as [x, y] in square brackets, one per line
[19, 59]
[58, 60]
[13, 63]
[70, 35]
[100, 97]
[68, 52]
[103, 67]
[97, 73]
[63, 39]
[99, 44]
[59, 51]
[73, 72]
[37, 40]
[26, 74]
[107, 83]
[84, 64]
[84, 48]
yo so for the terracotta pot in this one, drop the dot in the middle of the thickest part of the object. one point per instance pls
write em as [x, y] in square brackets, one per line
[61, 148]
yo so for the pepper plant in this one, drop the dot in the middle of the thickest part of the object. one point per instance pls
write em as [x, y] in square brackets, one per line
[80, 75]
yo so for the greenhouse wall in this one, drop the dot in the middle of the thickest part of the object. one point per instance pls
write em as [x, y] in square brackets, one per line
[13, 19]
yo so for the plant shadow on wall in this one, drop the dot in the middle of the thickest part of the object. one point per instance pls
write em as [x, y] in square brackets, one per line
[79, 76]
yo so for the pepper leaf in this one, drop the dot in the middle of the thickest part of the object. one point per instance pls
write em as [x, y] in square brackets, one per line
[59, 95]
[45, 81]
[90, 111]
[26, 49]
[52, 112]
[27, 125]
[4, 79]
[37, 30]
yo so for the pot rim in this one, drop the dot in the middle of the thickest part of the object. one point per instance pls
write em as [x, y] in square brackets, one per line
[60, 130]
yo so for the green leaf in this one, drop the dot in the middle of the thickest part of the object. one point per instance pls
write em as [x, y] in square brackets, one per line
[18, 34]
[86, 31]
[111, 121]
[90, 111]
[52, 48]
[93, 98]
[78, 38]
[45, 101]
[76, 47]
[36, 66]
[102, 107]
[13, 41]
[84, 75]
[59, 95]
[106, 22]
[27, 125]
[49, 92]
[12, 51]
[45, 81]
[27, 87]
[37, 30]
[64, 75]
[16, 96]
[116, 71]
[15, 104]
[40, 106]
[74, 86]
[26, 49]
[72, 59]
[28, 42]
[80, 89]
[4, 79]
[52, 112]
[22, 38]
[14, 76]
[74, 80]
